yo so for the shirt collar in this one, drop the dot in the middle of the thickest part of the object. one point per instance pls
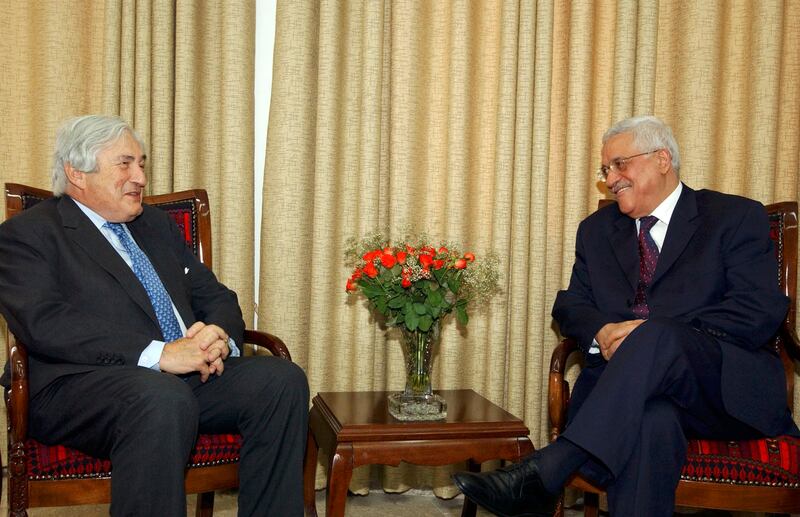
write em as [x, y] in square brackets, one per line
[664, 211]
[93, 216]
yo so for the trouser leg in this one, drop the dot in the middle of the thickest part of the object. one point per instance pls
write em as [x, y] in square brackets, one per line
[646, 486]
[266, 400]
[664, 381]
[661, 358]
[143, 420]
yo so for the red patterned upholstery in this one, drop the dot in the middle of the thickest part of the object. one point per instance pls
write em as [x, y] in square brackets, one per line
[764, 462]
[60, 462]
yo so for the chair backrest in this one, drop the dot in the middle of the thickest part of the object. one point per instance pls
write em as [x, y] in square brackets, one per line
[189, 209]
[783, 232]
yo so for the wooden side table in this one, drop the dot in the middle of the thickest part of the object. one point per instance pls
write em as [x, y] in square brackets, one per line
[355, 429]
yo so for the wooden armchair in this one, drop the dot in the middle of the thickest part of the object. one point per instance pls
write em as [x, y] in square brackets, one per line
[753, 475]
[43, 475]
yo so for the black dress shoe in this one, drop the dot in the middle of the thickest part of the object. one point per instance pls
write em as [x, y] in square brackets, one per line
[512, 491]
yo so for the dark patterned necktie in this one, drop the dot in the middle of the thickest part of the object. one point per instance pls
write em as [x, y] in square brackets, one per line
[144, 271]
[648, 258]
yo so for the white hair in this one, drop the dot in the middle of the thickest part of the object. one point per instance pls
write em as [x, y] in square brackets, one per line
[649, 133]
[79, 140]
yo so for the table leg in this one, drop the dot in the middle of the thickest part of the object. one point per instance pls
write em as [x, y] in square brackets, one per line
[339, 474]
[470, 508]
[310, 475]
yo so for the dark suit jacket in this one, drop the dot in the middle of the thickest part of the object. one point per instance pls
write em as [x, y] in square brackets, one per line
[68, 295]
[716, 272]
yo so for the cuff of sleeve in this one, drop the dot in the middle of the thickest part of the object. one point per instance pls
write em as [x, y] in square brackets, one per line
[152, 355]
[595, 348]
[234, 349]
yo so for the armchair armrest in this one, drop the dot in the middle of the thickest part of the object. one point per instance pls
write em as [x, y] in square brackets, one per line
[272, 343]
[790, 340]
[17, 395]
[558, 391]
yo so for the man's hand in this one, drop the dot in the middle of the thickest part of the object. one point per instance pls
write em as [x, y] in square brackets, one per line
[216, 348]
[613, 334]
[203, 350]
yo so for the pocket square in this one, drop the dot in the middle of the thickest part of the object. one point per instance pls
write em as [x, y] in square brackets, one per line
[185, 270]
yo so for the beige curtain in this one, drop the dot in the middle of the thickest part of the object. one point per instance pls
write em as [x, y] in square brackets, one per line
[180, 73]
[481, 123]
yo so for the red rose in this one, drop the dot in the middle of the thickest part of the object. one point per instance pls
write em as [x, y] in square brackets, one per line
[405, 282]
[370, 270]
[351, 285]
[388, 260]
[371, 255]
[425, 260]
[443, 251]
[410, 249]
[438, 264]
[401, 257]
[469, 256]
[460, 264]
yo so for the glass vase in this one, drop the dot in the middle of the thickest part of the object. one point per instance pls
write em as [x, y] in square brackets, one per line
[417, 401]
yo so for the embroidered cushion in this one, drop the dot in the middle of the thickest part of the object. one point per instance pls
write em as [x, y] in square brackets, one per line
[60, 462]
[765, 461]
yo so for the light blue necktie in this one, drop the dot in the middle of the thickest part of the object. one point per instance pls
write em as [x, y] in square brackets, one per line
[144, 271]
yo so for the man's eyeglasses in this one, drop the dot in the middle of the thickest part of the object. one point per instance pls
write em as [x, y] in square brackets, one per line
[619, 165]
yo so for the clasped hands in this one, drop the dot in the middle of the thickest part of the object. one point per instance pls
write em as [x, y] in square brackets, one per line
[611, 335]
[203, 349]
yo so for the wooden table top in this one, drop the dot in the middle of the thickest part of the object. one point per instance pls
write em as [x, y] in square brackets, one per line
[364, 416]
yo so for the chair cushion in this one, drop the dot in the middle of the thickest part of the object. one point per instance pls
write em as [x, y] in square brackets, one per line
[60, 462]
[766, 461]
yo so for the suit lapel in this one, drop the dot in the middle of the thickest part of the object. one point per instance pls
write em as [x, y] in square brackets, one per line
[88, 237]
[626, 248]
[682, 226]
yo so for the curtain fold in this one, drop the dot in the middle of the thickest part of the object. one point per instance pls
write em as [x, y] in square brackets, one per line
[481, 123]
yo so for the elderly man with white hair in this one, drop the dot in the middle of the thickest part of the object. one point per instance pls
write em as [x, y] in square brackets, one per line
[673, 300]
[133, 342]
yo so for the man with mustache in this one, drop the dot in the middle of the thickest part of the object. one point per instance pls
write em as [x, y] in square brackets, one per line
[673, 299]
[133, 342]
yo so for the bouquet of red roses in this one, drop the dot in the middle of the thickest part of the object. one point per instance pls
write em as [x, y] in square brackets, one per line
[415, 284]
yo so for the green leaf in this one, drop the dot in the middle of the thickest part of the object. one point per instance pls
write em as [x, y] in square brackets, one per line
[435, 299]
[420, 308]
[425, 323]
[397, 302]
[412, 321]
[454, 283]
[461, 314]
[371, 290]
